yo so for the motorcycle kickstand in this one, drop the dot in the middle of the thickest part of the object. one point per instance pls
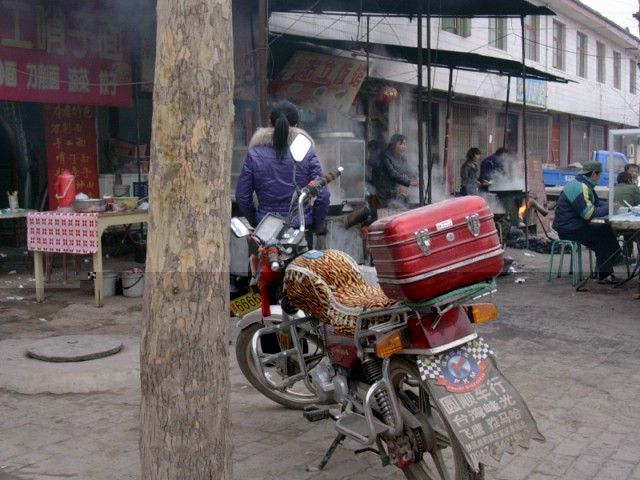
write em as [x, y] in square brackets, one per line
[327, 456]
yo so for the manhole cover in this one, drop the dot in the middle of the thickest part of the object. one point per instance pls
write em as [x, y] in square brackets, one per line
[74, 348]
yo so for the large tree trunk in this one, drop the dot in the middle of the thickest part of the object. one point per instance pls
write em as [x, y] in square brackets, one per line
[184, 360]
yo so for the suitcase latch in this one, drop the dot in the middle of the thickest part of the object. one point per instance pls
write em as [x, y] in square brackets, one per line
[473, 224]
[423, 241]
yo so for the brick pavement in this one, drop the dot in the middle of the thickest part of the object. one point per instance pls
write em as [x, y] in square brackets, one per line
[572, 355]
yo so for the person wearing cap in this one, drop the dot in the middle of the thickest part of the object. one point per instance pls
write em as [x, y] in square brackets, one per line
[577, 205]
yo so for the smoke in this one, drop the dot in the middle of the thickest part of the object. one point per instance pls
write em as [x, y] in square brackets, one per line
[512, 178]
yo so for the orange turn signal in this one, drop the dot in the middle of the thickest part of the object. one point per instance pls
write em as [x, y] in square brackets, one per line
[482, 312]
[389, 344]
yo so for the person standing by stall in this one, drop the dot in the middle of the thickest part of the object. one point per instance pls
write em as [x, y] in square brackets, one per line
[626, 190]
[491, 166]
[577, 206]
[632, 169]
[469, 173]
[270, 172]
[393, 172]
[627, 193]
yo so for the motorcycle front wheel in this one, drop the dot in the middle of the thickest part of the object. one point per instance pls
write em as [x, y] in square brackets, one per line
[445, 459]
[295, 397]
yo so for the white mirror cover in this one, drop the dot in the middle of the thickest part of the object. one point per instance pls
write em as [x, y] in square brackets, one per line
[300, 147]
[238, 228]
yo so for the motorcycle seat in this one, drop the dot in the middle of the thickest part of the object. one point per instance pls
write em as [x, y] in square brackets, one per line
[329, 286]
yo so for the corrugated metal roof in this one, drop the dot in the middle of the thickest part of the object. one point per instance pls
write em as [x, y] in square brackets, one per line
[439, 58]
[410, 8]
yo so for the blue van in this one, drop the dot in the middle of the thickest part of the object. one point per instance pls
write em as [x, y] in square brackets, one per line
[553, 176]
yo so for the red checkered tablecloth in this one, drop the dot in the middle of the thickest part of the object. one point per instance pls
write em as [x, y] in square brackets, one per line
[62, 232]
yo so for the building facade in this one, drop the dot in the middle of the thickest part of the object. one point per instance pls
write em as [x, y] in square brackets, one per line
[565, 121]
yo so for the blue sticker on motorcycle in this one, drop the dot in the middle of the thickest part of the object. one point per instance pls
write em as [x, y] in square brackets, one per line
[313, 254]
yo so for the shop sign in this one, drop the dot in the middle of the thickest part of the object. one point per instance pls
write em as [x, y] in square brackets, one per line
[70, 137]
[317, 80]
[63, 52]
[536, 92]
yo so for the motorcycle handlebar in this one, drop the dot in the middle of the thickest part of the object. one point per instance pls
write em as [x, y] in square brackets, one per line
[313, 189]
[315, 186]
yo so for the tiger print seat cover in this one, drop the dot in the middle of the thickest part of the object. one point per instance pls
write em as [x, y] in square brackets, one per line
[328, 285]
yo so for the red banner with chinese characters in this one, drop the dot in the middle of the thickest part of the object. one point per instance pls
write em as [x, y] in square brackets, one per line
[314, 79]
[65, 52]
[70, 137]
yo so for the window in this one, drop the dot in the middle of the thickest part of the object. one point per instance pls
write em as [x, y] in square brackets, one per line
[600, 52]
[581, 55]
[579, 141]
[558, 45]
[459, 26]
[498, 33]
[597, 138]
[633, 66]
[532, 37]
[617, 64]
[538, 138]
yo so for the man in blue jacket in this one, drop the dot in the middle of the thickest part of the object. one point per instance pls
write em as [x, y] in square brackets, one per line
[492, 166]
[577, 205]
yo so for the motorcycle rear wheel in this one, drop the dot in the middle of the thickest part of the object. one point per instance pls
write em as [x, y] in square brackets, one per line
[447, 457]
[296, 397]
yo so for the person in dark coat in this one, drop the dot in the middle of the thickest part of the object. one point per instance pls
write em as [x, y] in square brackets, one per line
[492, 165]
[392, 172]
[269, 170]
[469, 173]
[577, 206]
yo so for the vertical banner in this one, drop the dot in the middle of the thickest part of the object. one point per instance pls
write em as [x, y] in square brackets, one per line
[70, 136]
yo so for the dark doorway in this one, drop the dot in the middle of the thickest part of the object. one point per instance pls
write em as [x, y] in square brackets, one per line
[8, 167]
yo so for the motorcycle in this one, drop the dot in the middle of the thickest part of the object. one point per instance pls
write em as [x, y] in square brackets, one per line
[410, 381]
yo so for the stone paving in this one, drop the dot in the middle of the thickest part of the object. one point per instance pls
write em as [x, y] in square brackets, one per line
[573, 356]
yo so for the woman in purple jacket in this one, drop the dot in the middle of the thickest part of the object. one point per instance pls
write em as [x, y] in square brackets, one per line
[269, 171]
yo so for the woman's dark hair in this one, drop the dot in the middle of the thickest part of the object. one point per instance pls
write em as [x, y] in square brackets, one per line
[284, 115]
[395, 139]
[472, 152]
[624, 177]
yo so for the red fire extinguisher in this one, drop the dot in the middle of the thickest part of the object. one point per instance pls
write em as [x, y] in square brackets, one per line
[65, 187]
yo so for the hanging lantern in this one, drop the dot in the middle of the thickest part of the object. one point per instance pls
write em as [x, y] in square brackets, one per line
[386, 94]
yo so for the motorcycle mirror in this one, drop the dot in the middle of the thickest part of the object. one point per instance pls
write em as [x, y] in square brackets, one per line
[300, 147]
[238, 228]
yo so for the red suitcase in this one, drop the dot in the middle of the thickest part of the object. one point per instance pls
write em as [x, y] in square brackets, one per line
[433, 249]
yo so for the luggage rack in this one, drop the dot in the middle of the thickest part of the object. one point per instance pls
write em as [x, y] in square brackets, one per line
[399, 313]
[464, 294]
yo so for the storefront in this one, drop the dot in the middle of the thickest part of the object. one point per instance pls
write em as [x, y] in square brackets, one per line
[61, 66]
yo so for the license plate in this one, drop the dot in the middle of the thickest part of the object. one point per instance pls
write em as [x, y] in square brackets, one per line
[245, 304]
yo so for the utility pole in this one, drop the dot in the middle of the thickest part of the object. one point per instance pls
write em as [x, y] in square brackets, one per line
[637, 17]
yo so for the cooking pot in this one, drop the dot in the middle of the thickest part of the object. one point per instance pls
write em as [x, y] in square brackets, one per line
[90, 205]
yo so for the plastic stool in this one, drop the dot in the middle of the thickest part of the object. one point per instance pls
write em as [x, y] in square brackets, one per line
[575, 260]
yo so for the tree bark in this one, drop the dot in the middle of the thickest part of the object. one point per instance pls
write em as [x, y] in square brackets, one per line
[184, 358]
